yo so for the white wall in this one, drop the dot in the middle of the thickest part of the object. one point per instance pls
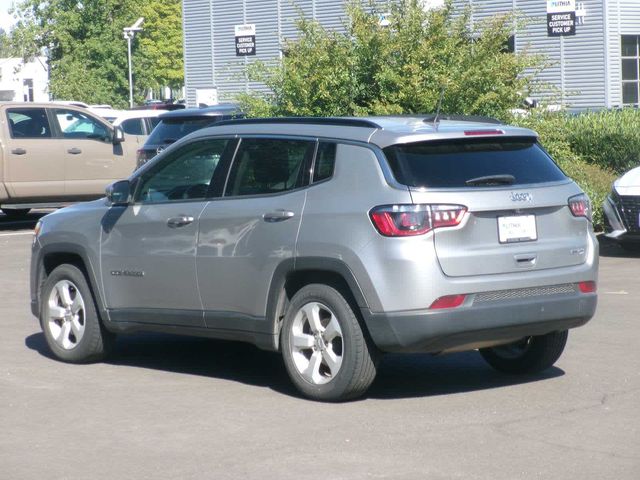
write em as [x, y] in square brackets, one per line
[14, 72]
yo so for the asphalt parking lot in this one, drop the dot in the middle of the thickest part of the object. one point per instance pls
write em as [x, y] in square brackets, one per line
[168, 407]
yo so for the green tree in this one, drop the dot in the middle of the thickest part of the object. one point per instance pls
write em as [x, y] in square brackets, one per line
[399, 68]
[86, 50]
[159, 60]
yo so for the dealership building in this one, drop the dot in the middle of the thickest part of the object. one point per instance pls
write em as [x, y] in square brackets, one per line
[592, 46]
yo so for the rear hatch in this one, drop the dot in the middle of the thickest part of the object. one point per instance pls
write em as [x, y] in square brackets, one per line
[518, 214]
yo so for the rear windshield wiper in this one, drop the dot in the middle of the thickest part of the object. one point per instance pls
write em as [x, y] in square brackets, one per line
[170, 140]
[492, 180]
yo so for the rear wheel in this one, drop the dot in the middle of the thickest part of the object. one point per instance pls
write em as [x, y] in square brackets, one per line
[529, 355]
[17, 213]
[324, 348]
[69, 318]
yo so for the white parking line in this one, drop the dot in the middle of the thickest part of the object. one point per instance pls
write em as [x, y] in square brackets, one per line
[15, 234]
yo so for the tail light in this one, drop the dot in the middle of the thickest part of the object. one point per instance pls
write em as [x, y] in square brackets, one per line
[449, 301]
[412, 220]
[580, 206]
[587, 287]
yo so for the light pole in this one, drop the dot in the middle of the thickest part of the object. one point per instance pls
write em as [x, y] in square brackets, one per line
[129, 33]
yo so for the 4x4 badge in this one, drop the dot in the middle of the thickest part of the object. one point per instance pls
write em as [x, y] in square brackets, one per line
[521, 197]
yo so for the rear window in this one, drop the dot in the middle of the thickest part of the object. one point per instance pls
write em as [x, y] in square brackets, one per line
[464, 163]
[169, 130]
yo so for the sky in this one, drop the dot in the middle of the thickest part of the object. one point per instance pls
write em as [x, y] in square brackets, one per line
[5, 19]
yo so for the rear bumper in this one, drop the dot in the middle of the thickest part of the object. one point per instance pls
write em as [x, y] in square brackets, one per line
[450, 329]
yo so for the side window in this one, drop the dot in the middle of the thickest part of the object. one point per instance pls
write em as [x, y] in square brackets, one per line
[268, 165]
[153, 122]
[184, 175]
[28, 123]
[325, 161]
[75, 124]
[133, 126]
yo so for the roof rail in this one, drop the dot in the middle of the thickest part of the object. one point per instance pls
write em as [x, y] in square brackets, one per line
[462, 118]
[336, 121]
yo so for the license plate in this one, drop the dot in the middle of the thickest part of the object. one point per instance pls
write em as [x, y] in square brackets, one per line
[520, 228]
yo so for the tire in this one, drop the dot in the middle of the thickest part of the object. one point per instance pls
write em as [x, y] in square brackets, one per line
[14, 214]
[325, 351]
[529, 355]
[69, 318]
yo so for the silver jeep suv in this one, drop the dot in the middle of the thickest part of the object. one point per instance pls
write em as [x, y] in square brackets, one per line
[331, 240]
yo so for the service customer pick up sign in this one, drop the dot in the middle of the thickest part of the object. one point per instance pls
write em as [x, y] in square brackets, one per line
[561, 17]
[245, 40]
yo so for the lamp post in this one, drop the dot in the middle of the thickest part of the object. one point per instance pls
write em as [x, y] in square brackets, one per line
[129, 33]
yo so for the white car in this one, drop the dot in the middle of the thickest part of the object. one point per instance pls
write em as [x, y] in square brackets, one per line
[622, 211]
[137, 123]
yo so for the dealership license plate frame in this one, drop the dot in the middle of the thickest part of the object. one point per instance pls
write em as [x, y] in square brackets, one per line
[517, 229]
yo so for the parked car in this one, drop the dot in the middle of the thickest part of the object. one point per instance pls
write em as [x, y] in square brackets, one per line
[176, 124]
[622, 211]
[54, 154]
[137, 124]
[331, 240]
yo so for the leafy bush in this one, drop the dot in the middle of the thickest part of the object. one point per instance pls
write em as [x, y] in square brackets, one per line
[610, 139]
[399, 68]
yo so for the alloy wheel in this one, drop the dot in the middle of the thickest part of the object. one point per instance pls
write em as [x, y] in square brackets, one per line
[66, 315]
[316, 343]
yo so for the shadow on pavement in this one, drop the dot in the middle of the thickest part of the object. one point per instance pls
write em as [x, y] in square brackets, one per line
[399, 376]
[27, 222]
[610, 248]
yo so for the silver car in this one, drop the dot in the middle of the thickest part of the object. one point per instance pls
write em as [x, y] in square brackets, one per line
[333, 241]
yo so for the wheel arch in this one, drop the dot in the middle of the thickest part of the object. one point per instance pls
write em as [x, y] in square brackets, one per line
[54, 255]
[293, 274]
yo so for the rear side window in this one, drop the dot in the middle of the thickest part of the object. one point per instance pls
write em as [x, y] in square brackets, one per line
[153, 122]
[28, 123]
[266, 165]
[325, 161]
[487, 162]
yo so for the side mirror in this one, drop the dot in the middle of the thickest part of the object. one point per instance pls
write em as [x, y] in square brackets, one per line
[118, 193]
[118, 135]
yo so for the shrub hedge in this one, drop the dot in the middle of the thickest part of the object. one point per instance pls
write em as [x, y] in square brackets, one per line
[593, 148]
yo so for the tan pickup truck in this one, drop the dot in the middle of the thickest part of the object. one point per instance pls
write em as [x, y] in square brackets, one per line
[52, 155]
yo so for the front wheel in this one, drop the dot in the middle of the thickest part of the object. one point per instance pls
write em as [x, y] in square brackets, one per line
[324, 348]
[69, 318]
[529, 355]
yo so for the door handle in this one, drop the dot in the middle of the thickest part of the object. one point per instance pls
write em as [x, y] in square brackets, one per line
[74, 151]
[278, 216]
[177, 222]
[526, 259]
[18, 151]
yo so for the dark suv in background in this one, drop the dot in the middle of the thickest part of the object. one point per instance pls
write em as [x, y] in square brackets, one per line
[178, 123]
